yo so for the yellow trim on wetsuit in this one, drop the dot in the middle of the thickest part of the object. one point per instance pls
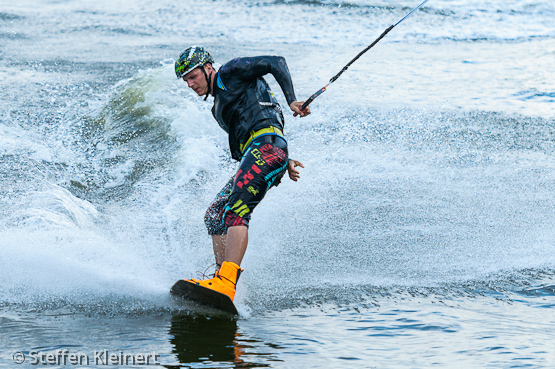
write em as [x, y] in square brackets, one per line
[260, 132]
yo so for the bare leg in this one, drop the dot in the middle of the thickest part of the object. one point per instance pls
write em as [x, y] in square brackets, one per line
[236, 243]
[218, 244]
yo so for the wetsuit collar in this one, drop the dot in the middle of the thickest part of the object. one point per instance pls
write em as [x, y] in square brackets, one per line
[208, 82]
[216, 86]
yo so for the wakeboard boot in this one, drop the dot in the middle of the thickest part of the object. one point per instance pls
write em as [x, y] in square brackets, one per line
[224, 280]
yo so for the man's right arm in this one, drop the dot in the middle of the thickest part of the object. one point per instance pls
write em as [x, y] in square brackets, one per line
[294, 174]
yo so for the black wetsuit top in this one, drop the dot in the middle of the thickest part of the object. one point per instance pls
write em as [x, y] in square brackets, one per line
[243, 102]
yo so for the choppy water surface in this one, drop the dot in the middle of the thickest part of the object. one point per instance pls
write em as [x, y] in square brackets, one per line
[421, 233]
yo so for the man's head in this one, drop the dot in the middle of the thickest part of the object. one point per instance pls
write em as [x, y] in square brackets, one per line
[195, 67]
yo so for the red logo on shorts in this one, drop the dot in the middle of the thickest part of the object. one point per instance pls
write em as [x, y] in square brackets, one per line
[247, 177]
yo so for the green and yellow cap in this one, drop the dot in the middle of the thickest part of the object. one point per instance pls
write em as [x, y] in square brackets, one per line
[191, 58]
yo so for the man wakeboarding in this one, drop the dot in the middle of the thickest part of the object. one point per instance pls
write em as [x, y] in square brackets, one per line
[247, 110]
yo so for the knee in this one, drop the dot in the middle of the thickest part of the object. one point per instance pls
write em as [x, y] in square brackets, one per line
[233, 218]
[214, 223]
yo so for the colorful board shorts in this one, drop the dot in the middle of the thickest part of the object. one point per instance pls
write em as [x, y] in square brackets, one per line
[262, 167]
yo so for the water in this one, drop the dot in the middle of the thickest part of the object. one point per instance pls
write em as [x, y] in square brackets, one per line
[420, 234]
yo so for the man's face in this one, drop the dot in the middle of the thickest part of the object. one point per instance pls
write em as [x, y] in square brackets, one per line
[196, 81]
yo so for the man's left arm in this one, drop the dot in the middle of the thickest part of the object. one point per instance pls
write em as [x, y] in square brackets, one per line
[277, 66]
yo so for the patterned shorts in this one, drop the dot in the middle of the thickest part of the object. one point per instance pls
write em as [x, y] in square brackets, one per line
[261, 168]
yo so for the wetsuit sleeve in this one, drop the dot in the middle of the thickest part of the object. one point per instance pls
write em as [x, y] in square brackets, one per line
[247, 69]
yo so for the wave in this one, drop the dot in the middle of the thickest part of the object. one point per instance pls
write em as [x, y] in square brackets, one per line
[536, 95]
[10, 17]
[392, 202]
[139, 133]
[446, 8]
[438, 131]
[109, 221]
[451, 21]
[527, 286]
